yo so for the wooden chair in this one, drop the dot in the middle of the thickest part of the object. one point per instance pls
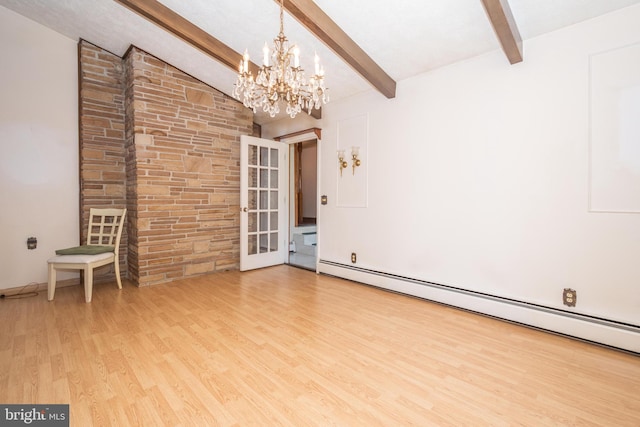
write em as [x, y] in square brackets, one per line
[103, 242]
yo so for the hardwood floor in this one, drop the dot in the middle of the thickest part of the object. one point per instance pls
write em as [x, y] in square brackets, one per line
[283, 346]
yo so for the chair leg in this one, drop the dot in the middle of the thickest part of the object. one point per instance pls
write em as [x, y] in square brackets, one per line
[117, 270]
[88, 283]
[51, 284]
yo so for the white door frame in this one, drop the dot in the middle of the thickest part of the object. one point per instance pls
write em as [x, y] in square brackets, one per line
[306, 136]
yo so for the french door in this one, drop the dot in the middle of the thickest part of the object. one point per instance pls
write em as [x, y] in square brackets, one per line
[263, 203]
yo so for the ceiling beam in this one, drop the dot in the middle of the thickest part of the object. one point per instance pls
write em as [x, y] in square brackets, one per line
[505, 27]
[316, 21]
[166, 18]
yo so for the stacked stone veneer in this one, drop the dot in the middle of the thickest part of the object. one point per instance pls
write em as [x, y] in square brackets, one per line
[102, 133]
[186, 144]
[179, 153]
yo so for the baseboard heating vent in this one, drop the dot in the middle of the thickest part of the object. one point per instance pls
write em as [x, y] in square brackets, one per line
[598, 330]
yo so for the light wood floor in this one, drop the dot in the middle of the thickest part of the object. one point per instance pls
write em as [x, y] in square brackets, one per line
[282, 346]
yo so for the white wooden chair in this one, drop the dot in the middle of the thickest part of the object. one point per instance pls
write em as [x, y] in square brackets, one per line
[103, 242]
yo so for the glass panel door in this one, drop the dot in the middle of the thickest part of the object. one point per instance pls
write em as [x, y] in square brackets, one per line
[263, 217]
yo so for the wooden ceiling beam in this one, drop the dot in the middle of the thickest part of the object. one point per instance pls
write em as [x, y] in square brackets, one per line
[316, 21]
[505, 27]
[166, 18]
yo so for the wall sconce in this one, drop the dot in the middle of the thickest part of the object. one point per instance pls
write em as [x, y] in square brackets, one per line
[341, 161]
[354, 157]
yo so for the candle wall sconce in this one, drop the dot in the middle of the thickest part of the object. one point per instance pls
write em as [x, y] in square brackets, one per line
[342, 163]
[355, 151]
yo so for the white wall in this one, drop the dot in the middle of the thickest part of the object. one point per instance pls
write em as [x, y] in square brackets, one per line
[38, 147]
[478, 179]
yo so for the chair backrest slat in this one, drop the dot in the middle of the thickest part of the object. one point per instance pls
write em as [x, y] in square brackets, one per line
[105, 227]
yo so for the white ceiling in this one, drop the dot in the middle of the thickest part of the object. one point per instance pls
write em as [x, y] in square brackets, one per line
[405, 37]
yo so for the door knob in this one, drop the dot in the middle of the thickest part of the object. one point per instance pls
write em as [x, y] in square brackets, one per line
[245, 209]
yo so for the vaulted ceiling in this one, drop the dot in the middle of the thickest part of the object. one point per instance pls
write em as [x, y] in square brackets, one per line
[363, 44]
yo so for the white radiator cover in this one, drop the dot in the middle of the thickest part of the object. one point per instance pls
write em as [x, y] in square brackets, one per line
[614, 334]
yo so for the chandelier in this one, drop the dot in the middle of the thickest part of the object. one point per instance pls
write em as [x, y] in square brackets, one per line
[284, 81]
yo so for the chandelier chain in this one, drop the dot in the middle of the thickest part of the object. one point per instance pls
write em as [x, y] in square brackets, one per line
[282, 17]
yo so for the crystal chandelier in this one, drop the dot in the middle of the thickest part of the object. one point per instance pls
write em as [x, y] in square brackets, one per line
[283, 81]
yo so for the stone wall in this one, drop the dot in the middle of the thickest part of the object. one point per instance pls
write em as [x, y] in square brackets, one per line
[102, 131]
[186, 139]
[167, 147]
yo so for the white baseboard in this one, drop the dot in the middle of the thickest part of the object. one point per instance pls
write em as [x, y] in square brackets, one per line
[602, 331]
[37, 287]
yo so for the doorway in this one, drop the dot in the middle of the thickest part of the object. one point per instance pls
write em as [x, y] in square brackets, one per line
[304, 231]
[303, 196]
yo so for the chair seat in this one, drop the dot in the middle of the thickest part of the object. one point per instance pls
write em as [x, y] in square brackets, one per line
[103, 232]
[80, 259]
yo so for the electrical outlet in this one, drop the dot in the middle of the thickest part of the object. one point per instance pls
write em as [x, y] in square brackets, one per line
[569, 297]
[32, 243]
[353, 257]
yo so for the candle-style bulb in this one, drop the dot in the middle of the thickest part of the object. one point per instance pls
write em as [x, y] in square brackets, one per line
[245, 59]
[296, 56]
[265, 55]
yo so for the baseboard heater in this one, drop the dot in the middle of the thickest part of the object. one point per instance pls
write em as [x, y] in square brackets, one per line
[606, 332]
